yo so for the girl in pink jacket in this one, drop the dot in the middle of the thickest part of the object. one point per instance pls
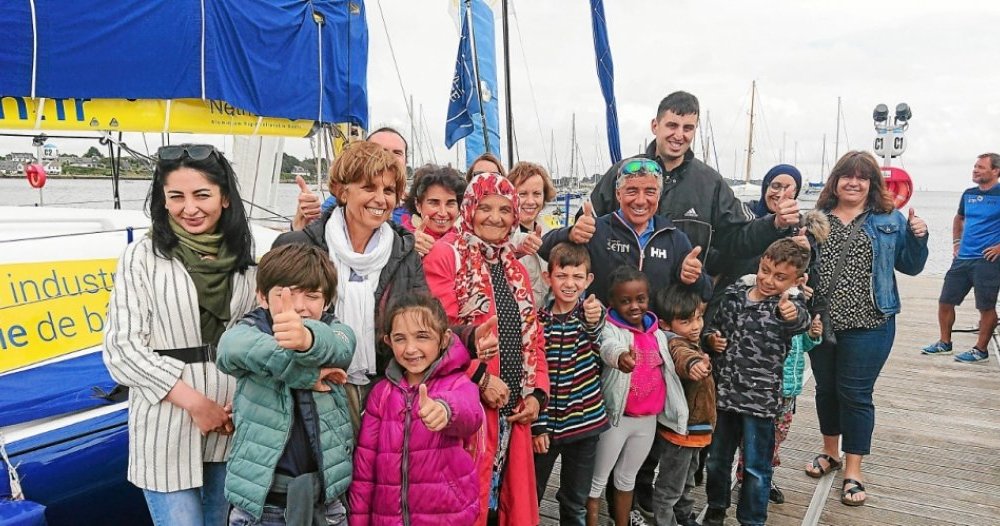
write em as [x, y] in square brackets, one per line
[414, 461]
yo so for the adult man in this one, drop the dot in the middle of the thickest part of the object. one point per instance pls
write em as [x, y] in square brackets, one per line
[976, 238]
[309, 206]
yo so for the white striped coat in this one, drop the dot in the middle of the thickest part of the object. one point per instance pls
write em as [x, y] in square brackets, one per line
[154, 305]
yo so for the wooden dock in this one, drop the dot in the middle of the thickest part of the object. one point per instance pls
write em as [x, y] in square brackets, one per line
[936, 448]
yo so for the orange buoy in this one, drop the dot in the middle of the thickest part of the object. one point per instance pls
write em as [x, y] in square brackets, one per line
[899, 185]
[35, 174]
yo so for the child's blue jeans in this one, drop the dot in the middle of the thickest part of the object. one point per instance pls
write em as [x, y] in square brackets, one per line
[205, 505]
[757, 437]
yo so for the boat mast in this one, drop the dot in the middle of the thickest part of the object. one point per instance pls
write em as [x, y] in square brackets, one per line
[836, 142]
[506, 81]
[753, 95]
[572, 150]
[822, 163]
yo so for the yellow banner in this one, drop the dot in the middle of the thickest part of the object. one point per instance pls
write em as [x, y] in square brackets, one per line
[53, 308]
[143, 115]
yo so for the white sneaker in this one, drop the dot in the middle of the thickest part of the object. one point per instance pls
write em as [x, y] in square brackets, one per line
[636, 519]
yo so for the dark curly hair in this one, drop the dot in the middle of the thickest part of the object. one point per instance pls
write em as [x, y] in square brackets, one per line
[429, 175]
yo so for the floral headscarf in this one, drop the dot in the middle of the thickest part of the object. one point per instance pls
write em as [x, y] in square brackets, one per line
[474, 290]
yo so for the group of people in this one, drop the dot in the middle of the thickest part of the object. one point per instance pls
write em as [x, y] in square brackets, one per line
[425, 357]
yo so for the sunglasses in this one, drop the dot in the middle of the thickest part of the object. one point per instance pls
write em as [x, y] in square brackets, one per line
[195, 152]
[641, 166]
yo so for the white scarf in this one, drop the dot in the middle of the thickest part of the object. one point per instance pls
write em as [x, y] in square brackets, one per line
[356, 299]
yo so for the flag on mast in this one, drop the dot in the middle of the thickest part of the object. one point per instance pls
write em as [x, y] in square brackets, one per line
[464, 99]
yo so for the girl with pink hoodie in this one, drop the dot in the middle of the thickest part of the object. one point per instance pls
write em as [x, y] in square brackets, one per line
[414, 463]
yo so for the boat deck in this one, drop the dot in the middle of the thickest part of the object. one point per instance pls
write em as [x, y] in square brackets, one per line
[937, 433]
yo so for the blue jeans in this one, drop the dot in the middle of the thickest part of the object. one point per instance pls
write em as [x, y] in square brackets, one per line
[574, 479]
[206, 505]
[756, 435]
[845, 380]
[336, 514]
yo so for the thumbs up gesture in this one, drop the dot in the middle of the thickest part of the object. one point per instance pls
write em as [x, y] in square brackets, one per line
[308, 207]
[626, 361]
[431, 412]
[592, 310]
[816, 327]
[422, 240]
[531, 243]
[691, 266]
[787, 213]
[487, 341]
[289, 331]
[917, 225]
[585, 226]
[786, 308]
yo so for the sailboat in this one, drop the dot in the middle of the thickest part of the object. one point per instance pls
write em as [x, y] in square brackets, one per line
[63, 419]
[748, 188]
[814, 187]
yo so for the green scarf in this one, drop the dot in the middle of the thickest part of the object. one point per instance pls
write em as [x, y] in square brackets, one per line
[212, 277]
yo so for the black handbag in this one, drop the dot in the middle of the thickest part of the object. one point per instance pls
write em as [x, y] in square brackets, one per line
[830, 337]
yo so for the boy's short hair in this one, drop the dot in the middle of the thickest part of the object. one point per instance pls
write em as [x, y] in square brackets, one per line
[297, 265]
[568, 254]
[787, 250]
[624, 274]
[676, 302]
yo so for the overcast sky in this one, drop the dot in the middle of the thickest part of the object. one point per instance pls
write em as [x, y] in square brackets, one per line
[940, 57]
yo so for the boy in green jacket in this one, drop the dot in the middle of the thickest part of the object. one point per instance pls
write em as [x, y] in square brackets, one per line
[291, 457]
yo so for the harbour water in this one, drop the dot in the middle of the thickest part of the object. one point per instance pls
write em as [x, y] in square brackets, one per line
[937, 208]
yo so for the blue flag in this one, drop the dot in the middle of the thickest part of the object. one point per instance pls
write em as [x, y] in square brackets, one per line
[464, 101]
[606, 74]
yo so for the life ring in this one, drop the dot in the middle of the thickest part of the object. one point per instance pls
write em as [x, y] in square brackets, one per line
[899, 185]
[35, 174]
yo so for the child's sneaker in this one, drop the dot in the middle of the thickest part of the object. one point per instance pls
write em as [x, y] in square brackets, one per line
[938, 347]
[973, 355]
[775, 495]
[636, 519]
[714, 517]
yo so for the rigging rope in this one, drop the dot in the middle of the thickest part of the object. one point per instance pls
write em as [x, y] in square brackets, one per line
[395, 63]
[531, 85]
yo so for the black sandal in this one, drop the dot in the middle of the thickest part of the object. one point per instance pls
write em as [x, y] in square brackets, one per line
[846, 494]
[832, 465]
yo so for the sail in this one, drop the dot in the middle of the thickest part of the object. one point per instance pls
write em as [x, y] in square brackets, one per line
[606, 75]
[292, 60]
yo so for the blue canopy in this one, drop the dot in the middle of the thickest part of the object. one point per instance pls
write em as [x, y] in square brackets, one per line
[297, 59]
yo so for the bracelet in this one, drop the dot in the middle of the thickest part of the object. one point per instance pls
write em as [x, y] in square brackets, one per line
[484, 381]
[956, 241]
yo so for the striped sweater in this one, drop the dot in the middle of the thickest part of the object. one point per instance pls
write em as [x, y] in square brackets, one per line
[154, 305]
[576, 406]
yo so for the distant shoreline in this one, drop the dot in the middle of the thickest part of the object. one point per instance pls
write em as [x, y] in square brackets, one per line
[86, 176]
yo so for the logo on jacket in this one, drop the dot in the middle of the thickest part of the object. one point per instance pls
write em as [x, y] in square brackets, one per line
[691, 213]
[615, 245]
[658, 253]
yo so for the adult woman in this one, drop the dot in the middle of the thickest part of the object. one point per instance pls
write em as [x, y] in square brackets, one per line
[375, 259]
[176, 291]
[534, 190]
[433, 204]
[486, 162]
[477, 278]
[872, 239]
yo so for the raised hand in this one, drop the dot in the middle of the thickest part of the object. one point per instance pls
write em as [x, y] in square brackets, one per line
[800, 238]
[700, 369]
[917, 225]
[308, 207]
[289, 331]
[691, 266]
[585, 225]
[528, 413]
[431, 412]
[787, 214]
[487, 341]
[816, 327]
[626, 361]
[422, 241]
[807, 291]
[531, 243]
[592, 309]
[717, 342]
[540, 444]
[786, 308]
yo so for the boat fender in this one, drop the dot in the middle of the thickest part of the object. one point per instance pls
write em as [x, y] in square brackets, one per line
[35, 174]
[899, 185]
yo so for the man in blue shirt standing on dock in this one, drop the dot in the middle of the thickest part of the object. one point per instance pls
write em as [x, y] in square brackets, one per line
[976, 239]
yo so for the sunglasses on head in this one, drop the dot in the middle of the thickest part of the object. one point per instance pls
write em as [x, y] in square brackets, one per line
[641, 166]
[195, 152]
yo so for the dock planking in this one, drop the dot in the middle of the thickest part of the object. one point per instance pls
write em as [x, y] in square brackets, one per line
[935, 449]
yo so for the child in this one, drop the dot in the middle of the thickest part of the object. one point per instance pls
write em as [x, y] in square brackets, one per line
[681, 312]
[575, 415]
[757, 320]
[412, 465]
[291, 457]
[794, 366]
[638, 378]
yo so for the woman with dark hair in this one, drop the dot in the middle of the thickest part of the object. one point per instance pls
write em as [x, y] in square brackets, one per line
[433, 204]
[486, 162]
[176, 290]
[478, 279]
[534, 191]
[375, 258]
[869, 240]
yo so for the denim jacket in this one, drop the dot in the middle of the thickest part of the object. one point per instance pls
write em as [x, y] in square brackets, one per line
[894, 247]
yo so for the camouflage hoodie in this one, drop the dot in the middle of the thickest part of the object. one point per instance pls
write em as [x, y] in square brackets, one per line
[748, 374]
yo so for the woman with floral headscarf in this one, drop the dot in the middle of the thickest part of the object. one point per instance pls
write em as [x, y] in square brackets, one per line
[479, 280]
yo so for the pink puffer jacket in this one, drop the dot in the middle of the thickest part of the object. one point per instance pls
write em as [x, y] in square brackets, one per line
[405, 474]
